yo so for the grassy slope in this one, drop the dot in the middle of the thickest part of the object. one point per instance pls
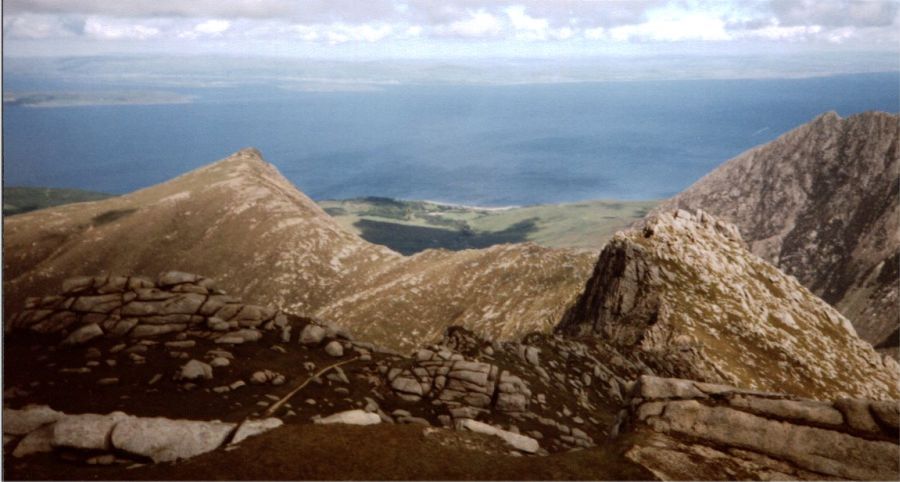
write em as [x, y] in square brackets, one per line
[18, 200]
[583, 225]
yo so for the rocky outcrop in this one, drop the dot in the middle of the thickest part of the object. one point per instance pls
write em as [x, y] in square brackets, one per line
[822, 203]
[448, 378]
[680, 429]
[135, 307]
[689, 300]
[155, 438]
[561, 392]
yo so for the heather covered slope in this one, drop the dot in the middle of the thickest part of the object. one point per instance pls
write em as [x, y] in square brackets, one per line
[501, 292]
[240, 222]
[689, 300]
[822, 203]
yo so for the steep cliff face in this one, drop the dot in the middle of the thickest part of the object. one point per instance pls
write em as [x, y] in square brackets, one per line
[240, 222]
[685, 296]
[822, 203]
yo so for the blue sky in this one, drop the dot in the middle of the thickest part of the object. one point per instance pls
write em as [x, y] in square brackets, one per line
[371, 29]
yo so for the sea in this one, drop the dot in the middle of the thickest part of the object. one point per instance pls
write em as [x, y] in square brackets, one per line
[464, 144]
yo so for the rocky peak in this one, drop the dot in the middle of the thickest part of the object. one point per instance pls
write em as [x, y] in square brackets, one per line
[821, 202]
[686, 296]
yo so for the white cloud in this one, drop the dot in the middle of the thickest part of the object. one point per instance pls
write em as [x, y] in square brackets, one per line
[413, 31]
[213, 27]
[778, 32]
[673, 26]
[306, 33]
[479, 24]
[597, 33]
[525, 26]
[338, 33]
[115, 30]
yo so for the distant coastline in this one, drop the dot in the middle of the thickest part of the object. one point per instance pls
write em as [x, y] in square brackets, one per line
[83, 99]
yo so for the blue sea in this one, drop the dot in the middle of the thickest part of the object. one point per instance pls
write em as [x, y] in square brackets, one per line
[479, 145]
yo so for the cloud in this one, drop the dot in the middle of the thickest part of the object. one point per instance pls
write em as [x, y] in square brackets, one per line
[673, 26]
[778, 32]
[526, 27]
[846, 13]
[529, 24]
[34, 27]
[213, 27]
[339, 33]
[479, 24]
[104, 30]
[155, 8]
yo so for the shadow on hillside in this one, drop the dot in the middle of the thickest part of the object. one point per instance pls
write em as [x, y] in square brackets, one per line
[409, 240]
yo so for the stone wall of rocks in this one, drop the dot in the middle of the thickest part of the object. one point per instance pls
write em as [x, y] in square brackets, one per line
[558, 391]
[120, 438]
[137, 307]
[450, 379]
[686, 429]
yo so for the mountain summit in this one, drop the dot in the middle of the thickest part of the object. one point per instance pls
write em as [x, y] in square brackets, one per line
[241, 222]
[685, 296]
[821, 202]
[237, 219]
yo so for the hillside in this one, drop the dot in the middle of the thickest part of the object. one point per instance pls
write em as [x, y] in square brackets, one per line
[822, 203]
[169, 378]
[239, 221]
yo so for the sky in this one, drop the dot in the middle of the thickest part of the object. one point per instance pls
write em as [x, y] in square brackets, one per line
[415, 29]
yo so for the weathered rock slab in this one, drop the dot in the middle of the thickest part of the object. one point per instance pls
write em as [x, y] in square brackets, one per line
[351, 417]
[519, 442]
[28, 419]
[251, 428]
[86, 431]
[165, 440]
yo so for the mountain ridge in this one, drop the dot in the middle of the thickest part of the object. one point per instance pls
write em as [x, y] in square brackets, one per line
[822, 203]
[239, 221]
